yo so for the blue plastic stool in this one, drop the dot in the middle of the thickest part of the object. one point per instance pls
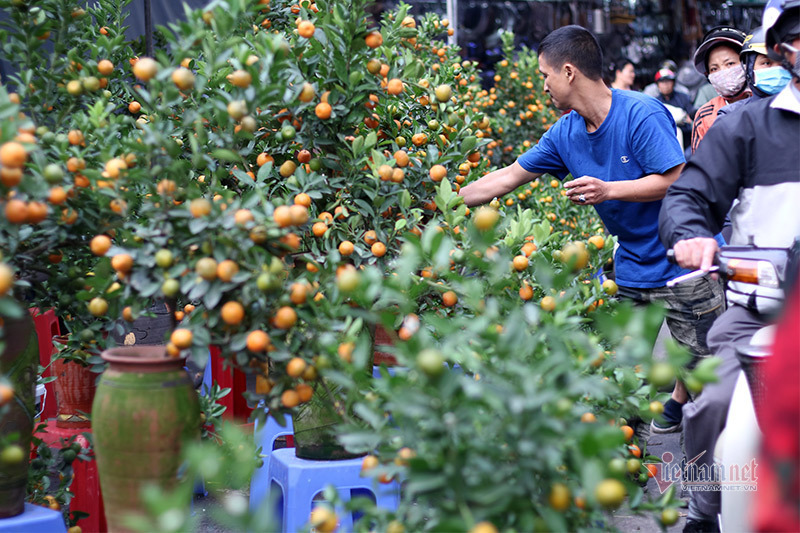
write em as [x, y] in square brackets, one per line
[266, 437]
[392, 370]
[35, 519]
[208, 380]
[300, 480]
[200, 484]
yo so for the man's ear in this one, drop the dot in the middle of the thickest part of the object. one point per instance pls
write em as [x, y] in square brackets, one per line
[569, 71]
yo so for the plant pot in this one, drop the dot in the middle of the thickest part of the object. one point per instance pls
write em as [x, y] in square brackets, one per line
[144, 410]
[75, 387]
[314, 424]
[147, 330]
[18, 363]
[382, 339]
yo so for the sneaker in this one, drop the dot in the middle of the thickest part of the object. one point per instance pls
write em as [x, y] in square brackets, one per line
[700, 526]
[672, 418]
[658, 427]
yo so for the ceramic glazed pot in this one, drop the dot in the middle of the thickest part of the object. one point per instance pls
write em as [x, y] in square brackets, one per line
[18, 363]
[144, 410]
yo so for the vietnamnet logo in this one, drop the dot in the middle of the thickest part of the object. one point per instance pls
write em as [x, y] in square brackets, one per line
[697, 475]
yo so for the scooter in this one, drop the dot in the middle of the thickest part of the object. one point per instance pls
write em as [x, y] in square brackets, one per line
[739, 442]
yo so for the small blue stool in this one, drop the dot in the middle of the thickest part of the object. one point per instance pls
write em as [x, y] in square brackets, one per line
[200, 484]
[266, 437]
[35, 519]
[300, 480]
[208, 379]
[376, 371]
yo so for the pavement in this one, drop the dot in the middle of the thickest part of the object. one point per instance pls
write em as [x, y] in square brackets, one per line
[626, 521]
[657, 444]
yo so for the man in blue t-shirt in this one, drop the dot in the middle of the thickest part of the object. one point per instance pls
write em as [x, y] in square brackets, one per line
[622, 147]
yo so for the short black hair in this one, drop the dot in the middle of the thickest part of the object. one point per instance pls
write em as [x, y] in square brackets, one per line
[620, 62]
[576, 45]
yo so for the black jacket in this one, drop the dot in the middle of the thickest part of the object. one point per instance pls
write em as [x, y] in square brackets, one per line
[751, 157]
[735, 106]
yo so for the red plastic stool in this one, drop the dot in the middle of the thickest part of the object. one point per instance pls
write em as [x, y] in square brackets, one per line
[85, 483]
[228, 377]
[46, 328]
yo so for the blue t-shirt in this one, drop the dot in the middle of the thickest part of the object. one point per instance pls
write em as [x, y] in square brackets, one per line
[637, 138]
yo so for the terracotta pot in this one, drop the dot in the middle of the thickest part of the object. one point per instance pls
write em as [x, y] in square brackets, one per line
[382, 339]
[18, 363]
[75, 386]
[144, 410]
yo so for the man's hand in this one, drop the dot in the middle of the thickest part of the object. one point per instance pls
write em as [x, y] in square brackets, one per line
[587, 190]
[697, 253]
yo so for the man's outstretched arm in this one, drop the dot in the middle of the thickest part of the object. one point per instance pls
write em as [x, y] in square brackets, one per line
[496, 184]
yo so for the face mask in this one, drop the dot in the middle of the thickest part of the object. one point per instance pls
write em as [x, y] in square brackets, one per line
[728, 82]
[772, 80]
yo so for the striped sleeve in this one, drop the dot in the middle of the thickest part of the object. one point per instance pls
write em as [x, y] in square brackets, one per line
[702, 121]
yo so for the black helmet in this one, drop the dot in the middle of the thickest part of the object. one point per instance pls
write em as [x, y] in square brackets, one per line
[714, 37]
[781, 20]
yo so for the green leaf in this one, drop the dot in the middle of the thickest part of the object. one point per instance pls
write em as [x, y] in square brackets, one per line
[422, 483]
[636, 497]
[225, 155]
[264, 172]
[361, 441]
[358, 145]
[10, 308]
[213, 296]
[378, 159]
[197, 225]
[468, 144]
[368, 415]
[541, 232]
[706, 370]
[355, 77]
[372, 140]
[405, 199]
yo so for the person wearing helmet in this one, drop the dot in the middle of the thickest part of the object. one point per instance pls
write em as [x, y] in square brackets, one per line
[782, 29]
[679, 103]
[751, 157]
[765, 77]
[717, 58]
[651, 89]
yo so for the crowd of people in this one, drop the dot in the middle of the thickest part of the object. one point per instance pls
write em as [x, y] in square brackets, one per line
[621, 150]
[728, 60]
